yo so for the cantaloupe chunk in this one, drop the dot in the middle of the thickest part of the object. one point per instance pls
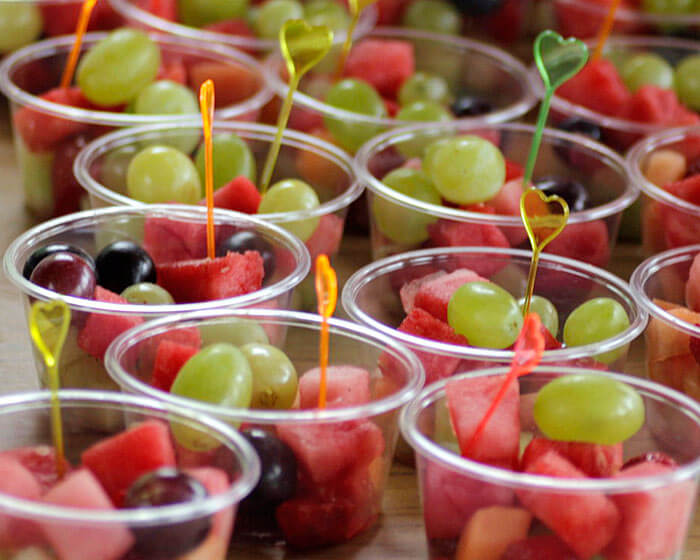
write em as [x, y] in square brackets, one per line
[490, 530]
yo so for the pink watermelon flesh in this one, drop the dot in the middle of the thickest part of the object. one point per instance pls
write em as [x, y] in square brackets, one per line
[18, 481]
[586, 241]
[168, 240]
[435, 294]
[468, 400]
[539, 547]
[216, 482]
[206, 280]
[585, 522]
[594, 460]
[102, 328]
[653, 524]
[326, 238]
[119, 460]
[345, 386]
[170, 357]
[654, 105]
[40, 460]
[81, 489]
[408, 291]
[687, 189]
[240, 195]
[598, 86]
[692, 286]
[383, 63]
[327, 452]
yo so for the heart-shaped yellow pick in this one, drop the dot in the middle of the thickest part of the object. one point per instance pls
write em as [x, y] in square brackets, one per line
[303, 45]
[558, 59]
[48, 327]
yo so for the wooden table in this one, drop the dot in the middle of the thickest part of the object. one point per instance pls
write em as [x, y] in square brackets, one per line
[399, 534]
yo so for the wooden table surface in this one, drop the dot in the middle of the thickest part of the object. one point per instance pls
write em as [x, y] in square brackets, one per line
[399, 534]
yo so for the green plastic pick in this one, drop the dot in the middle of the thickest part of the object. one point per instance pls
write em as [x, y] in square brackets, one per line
[558, 60]
[48, 327]
[303, 46]
[356, 7]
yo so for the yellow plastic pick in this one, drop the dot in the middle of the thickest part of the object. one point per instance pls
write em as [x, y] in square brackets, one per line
[48, 327]
[303, 46]
[80, 30]
[356, 7]
[327, 295]
[605, 30]
[206, 106]
[544, 218]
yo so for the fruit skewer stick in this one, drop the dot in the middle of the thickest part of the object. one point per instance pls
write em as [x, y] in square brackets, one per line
[605, 30]
[327, 295]
[80, 30]
[206, 106]
[356, 8]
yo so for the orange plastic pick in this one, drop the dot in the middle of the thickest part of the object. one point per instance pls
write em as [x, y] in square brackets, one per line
[327, 296]
[206, 106]
[529, 348]
[80, 30]
[605, 30]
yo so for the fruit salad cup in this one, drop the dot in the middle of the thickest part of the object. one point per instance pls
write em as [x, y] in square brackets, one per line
[408, 195]
[324, 471]
[667, 286]
[665, 167]
[235, 25]
[632, 498]
[136, 491]
[51, 128]
[116, 267]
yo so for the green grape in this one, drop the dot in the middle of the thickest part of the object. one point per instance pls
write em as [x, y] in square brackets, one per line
[163, 174]
[547, 312]
[218, 374]
[485, 314]
[428, 111]
[232, 157]
[272, 15]
[588, 408]
[20, 24]
[117, 68]
[114, 166]
[146, 293]
[358, 97]
[430, 151]
[164, 97]
[398, 223]
[36, 178]
[274, 377]
[233, 330]
[668, 6]
[596, 320]
[327, 12]
[647, 69]
[688, 81]
[467, 169]
[198, 13]
[433, 15]
[292, 195]
[423, 86]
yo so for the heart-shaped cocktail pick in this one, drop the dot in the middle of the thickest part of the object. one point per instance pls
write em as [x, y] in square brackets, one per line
[206, 107]
[303, 46]
[327, 296]
[356, 7]
[83, 20]
[48, 327]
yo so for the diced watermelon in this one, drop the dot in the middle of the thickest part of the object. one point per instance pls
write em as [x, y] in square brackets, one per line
[585, 241]
[585, 21]
[80, 541]
[692, 286]
[326, 237]
[119, 460]
[67, 192]
[240, 194]
[16, 480]
[40, 460]
[327, 452]
[539, 547]
[598, 86]
[679, 228]
[655, 105]
[345, 386]
[233, 82]
[102, 328]
[303, 119]
[390, 11]
[585, 522]
[653, 523]
[235, 26]
[468, 400]
[173, 69]
[383, 63]
[166, 9]
[170, 357]
[507, 200]
[686, 189]
[61, 18]
[506, 24]
[211, 279]
[408, 291]
[216, 482]
[490, 530]
[434, 294]
[593, 459]
[392, 107]
[513, 170]
[168, 240]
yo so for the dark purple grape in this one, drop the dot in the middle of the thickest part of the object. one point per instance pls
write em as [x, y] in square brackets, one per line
[478, 7]
[573, 192]
[247, 240]
[65, 273]
[43, 252]
[123, 263]
[162, 487]
[693, 167]
[576, 125]
[278, 465]
[470, 106]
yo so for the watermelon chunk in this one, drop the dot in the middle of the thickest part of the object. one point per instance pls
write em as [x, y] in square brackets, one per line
[234, 26]
[585, 522]
[655, 105]
[210, 279]
[16, 480]
[167, 240]
[692, 286]
[490, 530]
[233, 82]
[39, 460]
[513, 170]
[434, 294]
[326, 237]
[172, 69]
[119, 460]
[170, 357]
[468, 400]
[384, 64]
[166, 9]
[345, 386]
[585, 241]
[239, 194]
[598, 86]
[81, 489]
[102, 328]
[67, 192]
[539, 547]
[408, 291]
[687, 189]
[594, 460]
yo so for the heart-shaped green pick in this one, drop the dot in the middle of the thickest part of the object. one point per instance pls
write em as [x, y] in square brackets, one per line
[558, 59]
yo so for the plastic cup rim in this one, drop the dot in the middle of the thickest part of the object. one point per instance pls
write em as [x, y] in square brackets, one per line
[626, 15]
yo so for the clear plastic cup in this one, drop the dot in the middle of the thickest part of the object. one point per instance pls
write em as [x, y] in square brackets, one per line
[137, 16]
[469, 67]
[76, 517]
[170, 233]
[667, 221]
[373, 297]
[343, 453]
[589, 236]
[46, 162]
[644, 513]
[661, 286]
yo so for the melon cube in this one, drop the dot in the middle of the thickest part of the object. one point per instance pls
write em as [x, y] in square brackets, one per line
[17, 480]
[345, 386]
[686, 189]
[167, 240]
[383, 63]
[665, 341]
[665, 166]
[692, 286]
[598, 86]
[326, 238]
[490, 530]
[434, 294]
[594, 460]
[408, 291]
[585, 241]
[240, 194]
[170, 357]
[40, 460]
